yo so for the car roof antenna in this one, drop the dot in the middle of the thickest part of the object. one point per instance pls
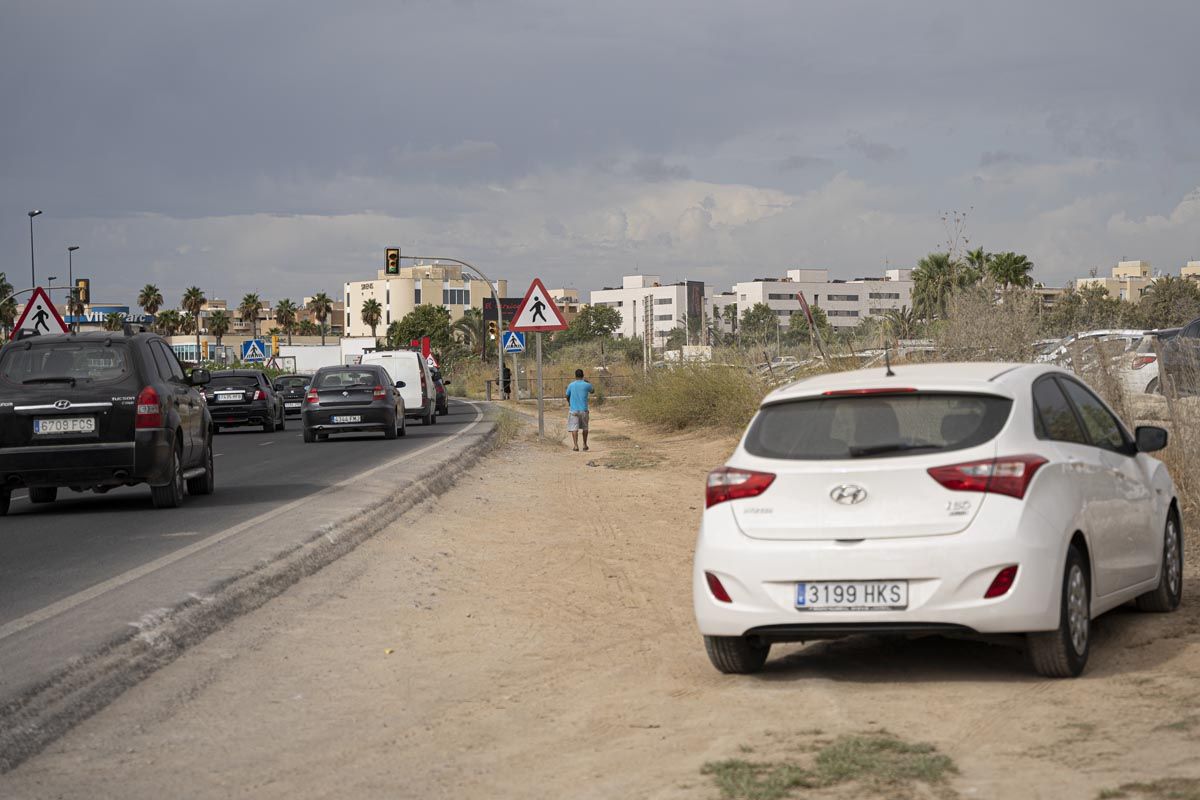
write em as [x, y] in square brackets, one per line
[887, 362]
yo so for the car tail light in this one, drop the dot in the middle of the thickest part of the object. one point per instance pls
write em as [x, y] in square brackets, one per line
[379, 394]
[718, 591]
[1010, 475]
[1143, 360]
[312, 397]
[1002, 582]
[149, 409]
[259, 394]
[881, 390]
[728, 483]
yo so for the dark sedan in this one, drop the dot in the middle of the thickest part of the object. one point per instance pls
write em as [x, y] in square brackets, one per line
[292, 388]
[343, 399]
[244, 397]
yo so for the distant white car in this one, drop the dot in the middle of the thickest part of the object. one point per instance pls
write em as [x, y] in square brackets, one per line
[1139, 371]
[951, 498]
[1060, 352]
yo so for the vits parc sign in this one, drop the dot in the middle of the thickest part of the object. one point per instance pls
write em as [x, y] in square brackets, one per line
[97, 314]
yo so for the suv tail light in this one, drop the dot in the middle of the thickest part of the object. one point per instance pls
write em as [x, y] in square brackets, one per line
[729, 483]
[1009, 475]
[149, 409]
[312, 397]
[379, 394]
[1140, 361]
[259, 394]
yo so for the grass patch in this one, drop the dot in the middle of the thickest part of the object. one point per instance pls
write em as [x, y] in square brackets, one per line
[1165, 789]
[1185, 724]
[880, 762]
[697, 396]
[508, 425]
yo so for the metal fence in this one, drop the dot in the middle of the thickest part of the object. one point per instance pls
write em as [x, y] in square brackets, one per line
[524, 387]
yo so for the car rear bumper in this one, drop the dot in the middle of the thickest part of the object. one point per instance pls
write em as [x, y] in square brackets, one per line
[255, 414]
[371, 418]
[86, 464]
[947, 578]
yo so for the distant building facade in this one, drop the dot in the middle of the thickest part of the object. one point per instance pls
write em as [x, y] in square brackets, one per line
[443, 285]
[646, 304]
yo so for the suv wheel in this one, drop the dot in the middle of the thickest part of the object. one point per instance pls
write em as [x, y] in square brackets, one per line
[1063, 652]
[270, 426]
[206, 483]
[170, 495]
[43, 494]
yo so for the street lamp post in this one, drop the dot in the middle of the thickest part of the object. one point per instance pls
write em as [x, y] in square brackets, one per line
[71, 269]
[32, 271]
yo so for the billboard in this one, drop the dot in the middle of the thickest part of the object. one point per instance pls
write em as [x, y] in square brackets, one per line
[95, 316]
[508, 307]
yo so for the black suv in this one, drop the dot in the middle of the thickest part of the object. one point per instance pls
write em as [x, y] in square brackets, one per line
[1179, 365]
[244, 397]
[101, 410]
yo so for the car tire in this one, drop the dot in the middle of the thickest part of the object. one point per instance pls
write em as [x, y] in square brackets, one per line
[216, 429]
[171, 494]
[43, 494]
[736, 655]
[1153, 387]
[390, 431]
[5, 501]
[270, 426]
[206, 483]
[1063, 652]
[282, 421]
[310, 436]
[1166, 596]
[403, 426]
[428, 418]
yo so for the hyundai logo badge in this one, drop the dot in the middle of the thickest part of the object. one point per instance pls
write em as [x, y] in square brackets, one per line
[848, 494]
[62, 405]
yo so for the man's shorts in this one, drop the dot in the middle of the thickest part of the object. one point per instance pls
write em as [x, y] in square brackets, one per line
[577, 421]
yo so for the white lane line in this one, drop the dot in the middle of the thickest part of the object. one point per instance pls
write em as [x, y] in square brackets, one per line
[217, 455]
[264, 444]
[92, 592]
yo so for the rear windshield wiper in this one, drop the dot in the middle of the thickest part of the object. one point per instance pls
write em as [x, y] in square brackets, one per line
[894, 447]
[58, 379]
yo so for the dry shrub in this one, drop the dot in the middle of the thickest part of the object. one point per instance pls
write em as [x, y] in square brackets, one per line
[977, 328]
[697, 396]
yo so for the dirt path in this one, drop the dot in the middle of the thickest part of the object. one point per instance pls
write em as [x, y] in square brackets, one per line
[530, 634]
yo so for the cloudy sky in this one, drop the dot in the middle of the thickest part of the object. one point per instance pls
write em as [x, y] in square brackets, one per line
[279, 147]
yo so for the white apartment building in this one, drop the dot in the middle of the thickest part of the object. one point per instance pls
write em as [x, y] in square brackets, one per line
[667, 305]
[428, 284]
[845, 303]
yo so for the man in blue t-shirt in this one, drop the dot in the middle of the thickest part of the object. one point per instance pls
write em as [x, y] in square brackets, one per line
[577, 416]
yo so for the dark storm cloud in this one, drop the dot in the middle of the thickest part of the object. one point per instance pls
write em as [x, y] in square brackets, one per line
[655, 169]
[875, 151]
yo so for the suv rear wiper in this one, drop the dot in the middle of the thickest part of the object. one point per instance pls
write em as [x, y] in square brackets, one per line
[894, 447]
[60, 379]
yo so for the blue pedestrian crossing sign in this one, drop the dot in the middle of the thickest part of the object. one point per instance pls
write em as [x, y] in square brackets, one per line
[254, 350]
[514, 342]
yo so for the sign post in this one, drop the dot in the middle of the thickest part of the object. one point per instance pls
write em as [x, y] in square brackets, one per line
[536, 314]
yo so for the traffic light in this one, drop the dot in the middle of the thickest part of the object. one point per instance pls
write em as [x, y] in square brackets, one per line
[275, 344]
[393, 261]
[83, 290]
[493, 331]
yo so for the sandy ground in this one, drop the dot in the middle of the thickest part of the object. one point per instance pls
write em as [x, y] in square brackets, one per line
[530, 634]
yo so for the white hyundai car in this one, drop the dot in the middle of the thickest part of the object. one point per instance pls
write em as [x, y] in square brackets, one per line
[938, 498]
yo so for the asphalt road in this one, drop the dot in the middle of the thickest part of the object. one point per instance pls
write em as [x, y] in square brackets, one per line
[62, 552]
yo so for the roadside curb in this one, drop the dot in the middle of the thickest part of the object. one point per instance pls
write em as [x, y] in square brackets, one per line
[31, 722]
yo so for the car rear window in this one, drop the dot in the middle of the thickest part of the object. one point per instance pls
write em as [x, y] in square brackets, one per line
[876, 426]
[82, 362]
[235, 381]
[293, 382]
[347, 377]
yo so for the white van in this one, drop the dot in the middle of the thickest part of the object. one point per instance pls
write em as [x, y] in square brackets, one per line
[420, 397]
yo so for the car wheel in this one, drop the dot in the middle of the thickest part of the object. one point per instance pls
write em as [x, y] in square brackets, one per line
[43, 494]
[428, 418]
[1063, 652]
[1169, 592]
[282, 421]
[216, 429]
[403, 426]
[171, 494]
[5, 501]
[1153, 387]
[736, 655]
[309, 436]
[270, 426]
[206, 483]
[390, 432]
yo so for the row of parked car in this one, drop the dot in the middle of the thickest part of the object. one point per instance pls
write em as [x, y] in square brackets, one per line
[1149, 361]
[95, 411]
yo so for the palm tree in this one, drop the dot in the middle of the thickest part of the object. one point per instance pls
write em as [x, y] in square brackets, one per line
[321, 307]
[194, 300]
[1011, 269]
[473, 328]
[285, 315]
[307, 328]
[168, 322]
[900, 322]
[979, 261]
[218, 324]
[114, 321]
[8, 310]
[936, 277]
[74, 307]
[372, 314]
[248, 311]
[150, 299]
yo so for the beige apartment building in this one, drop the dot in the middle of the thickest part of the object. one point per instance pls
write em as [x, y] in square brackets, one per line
[1129, 280]
[1191, 270]
[423, 284]
[567, 301]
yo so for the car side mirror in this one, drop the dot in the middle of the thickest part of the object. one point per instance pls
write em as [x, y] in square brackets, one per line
[400, 384]
[1150, 438]
[199, 377]
[445, 383]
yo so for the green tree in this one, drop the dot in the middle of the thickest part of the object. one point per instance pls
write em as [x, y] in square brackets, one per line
[759, 323]
[591, 324]
[321, 307]
[372, 314]
[471, 328]
[218, 324]
[1010, 269]
[168, 322]
[8, 305]
[193, 301]
[114, 321]
[936, 277]
[285, 315]
[150, 299]
[424, 320]
[676, 338]
[248, 311]
[1169, 302]
[307, 328]
[798, 327]
[979, 261]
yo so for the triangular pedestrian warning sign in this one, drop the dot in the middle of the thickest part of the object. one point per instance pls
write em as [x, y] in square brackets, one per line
[537, 312]
[40, 316]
